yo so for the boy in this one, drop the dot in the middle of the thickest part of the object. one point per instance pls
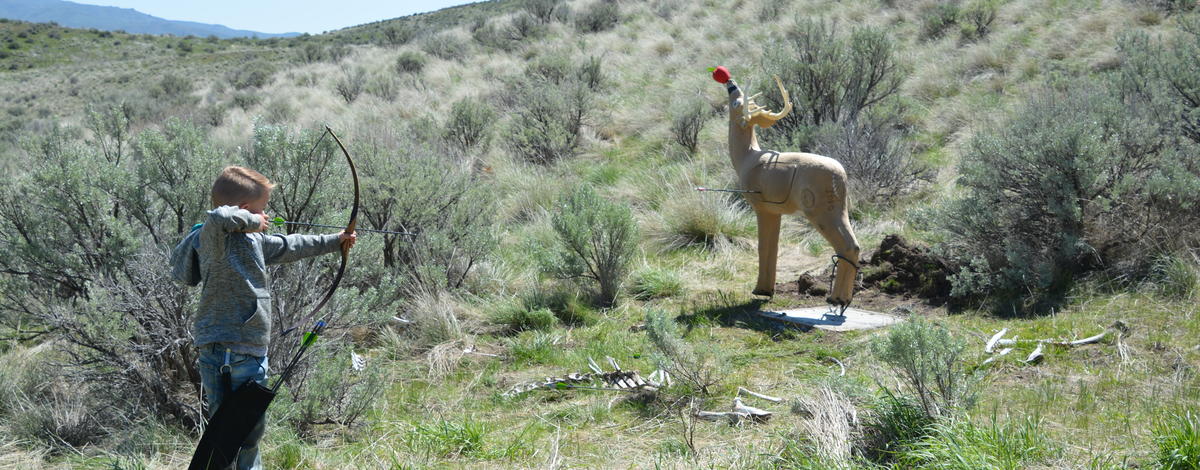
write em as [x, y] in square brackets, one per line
[229, 253]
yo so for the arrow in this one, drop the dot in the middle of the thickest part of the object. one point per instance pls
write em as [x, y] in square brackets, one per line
[278, 221]
[702, 189]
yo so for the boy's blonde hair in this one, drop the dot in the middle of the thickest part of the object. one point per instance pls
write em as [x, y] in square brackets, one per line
[238, 185]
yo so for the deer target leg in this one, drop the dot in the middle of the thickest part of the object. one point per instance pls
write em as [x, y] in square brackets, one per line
[836, 229]
[768, 252]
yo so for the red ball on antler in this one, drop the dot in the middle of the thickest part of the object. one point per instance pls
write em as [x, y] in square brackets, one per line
[721, 74]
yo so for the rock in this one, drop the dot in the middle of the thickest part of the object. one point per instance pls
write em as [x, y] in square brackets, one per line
[808, 285]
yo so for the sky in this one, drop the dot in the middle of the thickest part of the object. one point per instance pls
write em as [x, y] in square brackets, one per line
[280, 16]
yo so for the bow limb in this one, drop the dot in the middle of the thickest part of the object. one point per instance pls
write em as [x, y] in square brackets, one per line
[350, 226]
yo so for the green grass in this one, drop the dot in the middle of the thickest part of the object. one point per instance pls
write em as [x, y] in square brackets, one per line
[650, 283]
[964, 445]
[1177, 437]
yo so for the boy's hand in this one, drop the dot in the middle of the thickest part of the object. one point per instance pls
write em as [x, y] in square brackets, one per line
[348, 239]
[263, 223]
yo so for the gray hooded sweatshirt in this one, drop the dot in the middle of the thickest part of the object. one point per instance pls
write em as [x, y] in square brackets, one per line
[235, 300]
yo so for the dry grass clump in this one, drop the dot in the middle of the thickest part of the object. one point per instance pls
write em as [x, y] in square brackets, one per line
[831, 424]
[691, 218]
[437, 318]
[528, 190]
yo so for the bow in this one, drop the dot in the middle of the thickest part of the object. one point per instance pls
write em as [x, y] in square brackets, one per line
[337, 278]
[311, 336]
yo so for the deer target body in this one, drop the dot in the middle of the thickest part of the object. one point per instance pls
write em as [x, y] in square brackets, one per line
[786, 183]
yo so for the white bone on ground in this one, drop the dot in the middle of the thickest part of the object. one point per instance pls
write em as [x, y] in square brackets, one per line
[992, 342]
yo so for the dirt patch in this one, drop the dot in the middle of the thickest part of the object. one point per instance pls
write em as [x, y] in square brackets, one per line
[900, 277]
[902, 268]
[865, 298]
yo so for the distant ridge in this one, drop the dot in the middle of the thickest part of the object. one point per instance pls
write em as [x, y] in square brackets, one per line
[77, 15]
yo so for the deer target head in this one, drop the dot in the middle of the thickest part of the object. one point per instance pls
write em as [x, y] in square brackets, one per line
[745, 112]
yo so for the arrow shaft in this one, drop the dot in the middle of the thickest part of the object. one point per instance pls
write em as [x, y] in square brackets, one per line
[357, 229]
[728, 190]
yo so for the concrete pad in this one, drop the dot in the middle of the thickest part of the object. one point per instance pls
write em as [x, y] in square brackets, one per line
[819, 317]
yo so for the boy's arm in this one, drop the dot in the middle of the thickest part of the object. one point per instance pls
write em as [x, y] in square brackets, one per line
[287, 248]
[234, 219]
[185, 261]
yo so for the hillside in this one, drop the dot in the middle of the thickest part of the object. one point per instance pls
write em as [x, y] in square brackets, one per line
[78, 15]
[1020, 165]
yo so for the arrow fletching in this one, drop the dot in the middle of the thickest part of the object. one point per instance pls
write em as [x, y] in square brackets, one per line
[309, 339]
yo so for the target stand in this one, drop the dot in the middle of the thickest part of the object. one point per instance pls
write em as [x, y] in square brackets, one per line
[820, 317]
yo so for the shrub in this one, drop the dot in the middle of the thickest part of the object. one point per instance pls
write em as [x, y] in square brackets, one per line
[126, 340]
[687, 119]
[930, 362]
[773, 10]
[601, 15]
[39, 406]
[50, 256]
[254, 74]
[831, 78]
[524, 27]
[171, 87]
[879, 163]
[591, 73]
[596, 241]
[311, 52]
[549, 119]
[449, 208]
[553, 68]
[1163, 74]
[410, 62]
[174, 165]
[213, 115]
[59, 417]
[1074, 181]
[542, 10]
[486, 33]
[1177, 438]
[470, 124]
[938, 18]
[116, 318]
[977, 18]
[384, 87]
[351, 83]
[398, 34]
[1171, 6]
[110, 126]
[246, 100]
[279, 110]
[445, 46]
[300, 168]
[333, 391]
[337, 52]
[698, 368]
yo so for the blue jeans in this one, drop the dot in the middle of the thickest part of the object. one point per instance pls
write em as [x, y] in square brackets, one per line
[242, 368]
